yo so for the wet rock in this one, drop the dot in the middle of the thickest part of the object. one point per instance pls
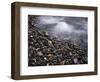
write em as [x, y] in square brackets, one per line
[62, 62]
[45, 58]
[34, 59]
[46, 33]
[40, 53]
[70, 54]
[75, 60]
[37, 49]
[49, 55]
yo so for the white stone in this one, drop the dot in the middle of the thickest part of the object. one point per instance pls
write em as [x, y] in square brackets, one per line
[75, 60]
[40, 53]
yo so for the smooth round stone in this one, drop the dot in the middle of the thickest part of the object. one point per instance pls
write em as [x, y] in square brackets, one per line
[75, 60]
[40, 53]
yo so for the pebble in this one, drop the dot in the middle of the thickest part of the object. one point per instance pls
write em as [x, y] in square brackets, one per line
[49, 55]
[75, 60]
[70, 53]
[62, 62]
[45, 58]
[39, 53]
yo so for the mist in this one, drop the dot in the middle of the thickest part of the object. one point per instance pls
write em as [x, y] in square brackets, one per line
[64, 27]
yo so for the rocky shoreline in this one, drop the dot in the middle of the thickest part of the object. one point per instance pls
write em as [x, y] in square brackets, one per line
[44, 50]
